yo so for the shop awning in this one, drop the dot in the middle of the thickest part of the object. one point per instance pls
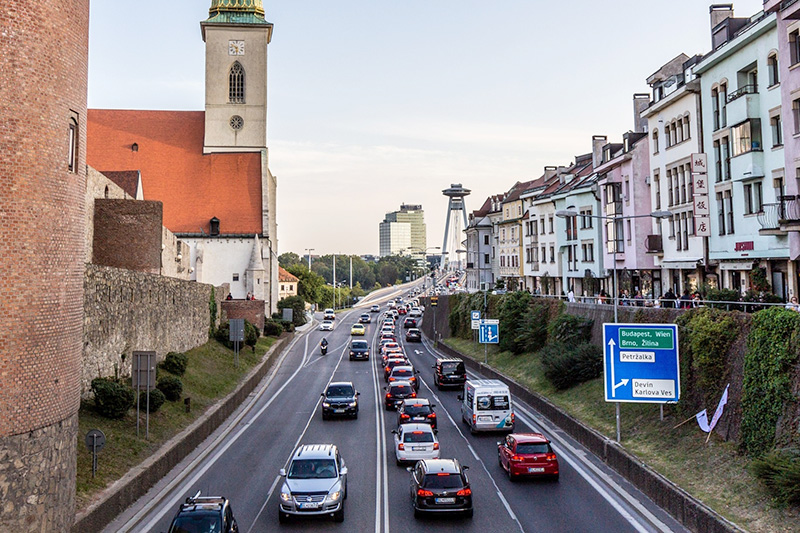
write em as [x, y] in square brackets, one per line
[680, 265]
[736, 265]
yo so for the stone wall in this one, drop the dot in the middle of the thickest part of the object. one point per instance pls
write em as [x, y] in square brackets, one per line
[127, 311]
[250, 310]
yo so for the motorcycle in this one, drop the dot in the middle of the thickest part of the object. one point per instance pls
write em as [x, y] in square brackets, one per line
[323, 348]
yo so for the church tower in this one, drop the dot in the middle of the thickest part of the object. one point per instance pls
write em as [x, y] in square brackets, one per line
[236, 36]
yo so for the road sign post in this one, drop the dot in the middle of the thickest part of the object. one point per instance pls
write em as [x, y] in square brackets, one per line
[144, 373]
[95, 440]
[641, 363]
[236, 335]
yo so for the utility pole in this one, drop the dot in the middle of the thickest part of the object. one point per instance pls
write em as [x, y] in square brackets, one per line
[309, 250]
[333, 279]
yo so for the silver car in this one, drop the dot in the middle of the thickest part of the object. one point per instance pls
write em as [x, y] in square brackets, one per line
[314, 484]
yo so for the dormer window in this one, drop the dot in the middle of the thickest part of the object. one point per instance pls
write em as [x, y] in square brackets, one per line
[214, 226]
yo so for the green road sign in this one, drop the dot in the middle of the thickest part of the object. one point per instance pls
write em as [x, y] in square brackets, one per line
[657, 338]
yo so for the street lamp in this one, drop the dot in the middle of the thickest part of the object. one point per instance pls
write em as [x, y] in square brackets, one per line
[568, 213]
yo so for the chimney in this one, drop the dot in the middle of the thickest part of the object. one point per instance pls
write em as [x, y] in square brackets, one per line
[598, 141]
[720, 12]
[549, 172]
[640, 102]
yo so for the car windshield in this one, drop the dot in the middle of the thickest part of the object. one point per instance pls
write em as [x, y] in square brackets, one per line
[401, 389]
[488, 403]
[337, 391]
[533, 447]
[402, 372]
[360, 345]
[312, 469]
[415, 410]
[197, 523]
[443, 481]
[452, 368]
[417, 436]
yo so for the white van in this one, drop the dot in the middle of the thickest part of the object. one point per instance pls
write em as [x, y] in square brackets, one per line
[486, 406]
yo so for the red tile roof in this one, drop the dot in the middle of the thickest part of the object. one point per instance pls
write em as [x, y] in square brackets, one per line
[285, 275]
[193, 187]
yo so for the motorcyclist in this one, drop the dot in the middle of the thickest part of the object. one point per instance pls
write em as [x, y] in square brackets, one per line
[324, 346]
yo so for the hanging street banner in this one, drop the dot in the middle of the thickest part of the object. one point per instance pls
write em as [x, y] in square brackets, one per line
[641, 363]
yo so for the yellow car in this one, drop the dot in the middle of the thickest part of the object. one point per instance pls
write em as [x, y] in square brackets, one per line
[358, 329]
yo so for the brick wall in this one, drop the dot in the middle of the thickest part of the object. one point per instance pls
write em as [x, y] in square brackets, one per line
[128, 310]
[250, 310]
[43, 85]
[127, 234]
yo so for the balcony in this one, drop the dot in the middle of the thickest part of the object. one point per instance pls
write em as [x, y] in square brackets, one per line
[789, 213]
[770, 218]
[654, 245]
[743, 104]
[747, 165]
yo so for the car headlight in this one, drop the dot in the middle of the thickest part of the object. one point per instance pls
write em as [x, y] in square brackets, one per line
[353, 404]
[286, 496]
[326, 404]
[333, 496]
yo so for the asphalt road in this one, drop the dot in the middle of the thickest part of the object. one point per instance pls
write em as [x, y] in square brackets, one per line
[242, 459]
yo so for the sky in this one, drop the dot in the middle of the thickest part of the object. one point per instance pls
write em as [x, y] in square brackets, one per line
[374, 103]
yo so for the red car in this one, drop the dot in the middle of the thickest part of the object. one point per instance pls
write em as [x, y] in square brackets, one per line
[527, 454]
[402, 310]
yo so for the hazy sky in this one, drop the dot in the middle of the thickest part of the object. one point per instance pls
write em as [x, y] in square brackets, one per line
[373, 103]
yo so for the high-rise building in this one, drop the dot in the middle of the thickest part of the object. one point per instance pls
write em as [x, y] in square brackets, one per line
[409, 219]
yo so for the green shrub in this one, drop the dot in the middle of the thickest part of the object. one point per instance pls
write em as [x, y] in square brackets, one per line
[112, 399]
[779, 470]
[157, 399]
[772, 352]
[514, 310]
[571, 329]
[566, 366]
[287, 325]
[723, 295]
[175, 363]
[298, 306]
[250, 335]
[272, 328]
[171, 386]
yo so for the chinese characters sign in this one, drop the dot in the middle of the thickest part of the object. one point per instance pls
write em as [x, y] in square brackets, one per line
[702, 228]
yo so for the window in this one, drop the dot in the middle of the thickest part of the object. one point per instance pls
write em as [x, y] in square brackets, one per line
[685, 230]
[588, 252]
[718, 161]
[485, 259]
[544, 254]
[72, 155]
[726, 157]
[772, 69]
[777, 134]
[677, 127]
[655, 141]
[586, 219]
[672, 226]
[796, 115]
[794, 47]
[667, 136]
[236, 277]
[687, 132]
[630, 233]
[746, 136]
[550, 223]
[236, 84]
[753, 198]
[715, 107]
[541, 226]
[485, 239]
[657, 189]
[721, 213]
[552, 254]
[615, 236]
[723, 97]
[727, 196]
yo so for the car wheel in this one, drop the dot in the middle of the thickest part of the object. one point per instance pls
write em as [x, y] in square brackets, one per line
[468, 514]
[417, 513]
[324, 416]
[283, 518]
[398, 461]
[555, 478]
[338, 516]
[472, 428]
[511, 476]
[355, 415]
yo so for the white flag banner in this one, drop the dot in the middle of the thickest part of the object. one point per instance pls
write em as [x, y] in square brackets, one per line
[722, 402]
[702, 420]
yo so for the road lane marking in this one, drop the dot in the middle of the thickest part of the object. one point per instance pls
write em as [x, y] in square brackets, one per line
[218, 452]
[269, 494]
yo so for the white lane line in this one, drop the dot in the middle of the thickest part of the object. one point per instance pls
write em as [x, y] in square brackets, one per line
[477, 458]
[383, 450]
[217, 454]
[378, 432]
[139, 516]
[297, 442]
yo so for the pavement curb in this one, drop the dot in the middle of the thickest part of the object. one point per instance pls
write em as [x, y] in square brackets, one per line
[135, 484]
[686, 509]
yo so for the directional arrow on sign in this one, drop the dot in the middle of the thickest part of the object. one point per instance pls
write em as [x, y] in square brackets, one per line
[621, 384]
[611, 344]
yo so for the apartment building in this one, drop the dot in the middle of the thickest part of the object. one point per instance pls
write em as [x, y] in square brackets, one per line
[479, 249]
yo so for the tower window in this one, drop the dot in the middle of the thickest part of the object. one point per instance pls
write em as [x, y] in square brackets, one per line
[72, 162]
[236, 84]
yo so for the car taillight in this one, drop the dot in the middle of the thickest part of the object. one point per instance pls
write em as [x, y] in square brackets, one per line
[435, 445]
[474, 419]
[464, 492]
[550, 457]
[432, 415]
[391, 378]
[401, 446]
[517, 458]
[512, 418]
[423, 492]
[413, 394]
[388, 395]
[404, 417]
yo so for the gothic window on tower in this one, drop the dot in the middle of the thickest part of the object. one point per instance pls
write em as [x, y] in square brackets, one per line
[236, 84]
[72, 155]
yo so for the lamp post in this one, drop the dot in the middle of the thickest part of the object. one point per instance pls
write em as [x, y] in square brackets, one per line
[567, 213]
[309, 250]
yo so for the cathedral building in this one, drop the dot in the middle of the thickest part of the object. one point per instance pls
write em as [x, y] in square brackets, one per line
[210, 168]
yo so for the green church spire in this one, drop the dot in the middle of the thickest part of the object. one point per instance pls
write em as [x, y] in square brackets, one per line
[237, 12]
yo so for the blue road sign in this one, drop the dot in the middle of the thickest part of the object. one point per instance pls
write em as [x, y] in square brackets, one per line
[641, 363]
[489, 331]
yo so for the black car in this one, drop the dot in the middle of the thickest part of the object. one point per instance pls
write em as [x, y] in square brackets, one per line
[413, 335]
[410, 322]
[202, 514]
[340, 399]
[416, 411]
[359, 350]
[449, 371]
[440, 486]
[396, 392]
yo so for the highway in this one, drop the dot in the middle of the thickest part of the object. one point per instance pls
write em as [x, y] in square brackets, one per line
[242, 459]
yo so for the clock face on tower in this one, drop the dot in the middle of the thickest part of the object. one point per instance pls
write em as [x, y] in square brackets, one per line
[236, 48]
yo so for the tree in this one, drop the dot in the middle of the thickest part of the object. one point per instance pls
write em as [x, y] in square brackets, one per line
[288, 259]
[310, 284]
[298, 306]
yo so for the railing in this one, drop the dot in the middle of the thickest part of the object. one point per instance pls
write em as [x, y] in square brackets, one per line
[741, 91]
[771, 214]
[662, 303]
